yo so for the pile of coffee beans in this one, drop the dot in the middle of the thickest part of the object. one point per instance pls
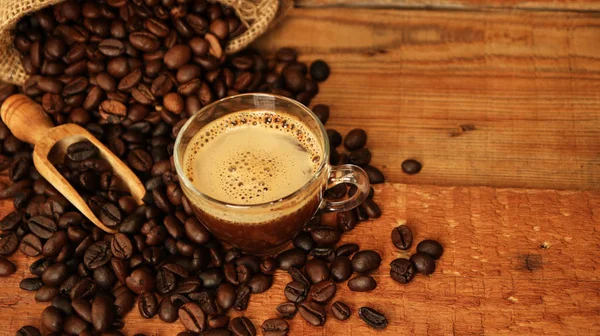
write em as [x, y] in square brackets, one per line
[403, 270]
[131, 72]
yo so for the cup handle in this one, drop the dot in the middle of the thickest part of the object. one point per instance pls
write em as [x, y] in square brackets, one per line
[346, 174]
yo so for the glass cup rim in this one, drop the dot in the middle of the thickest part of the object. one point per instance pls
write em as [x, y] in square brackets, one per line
[188, 184]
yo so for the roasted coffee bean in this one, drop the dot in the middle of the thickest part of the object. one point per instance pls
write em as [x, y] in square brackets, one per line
[206, 302]
[63, 304]
[140, 160]
[431, 247]
[97, 254]
[75, 86]
[322, 112]
[28, 331]
[52, 319]
[341, 268]
[324, 253]
[226, 296]
[140, 280]
[103, 314]
[242, 326]
[54, 275]
[370, 208]
[39, 266]
[275, 327]
[372, 318]
[167, 310]
[337, 192]
[9, 242]
[148, 305]
[317, 270]
[121, 246]
[365, 261]
[242, 298]
[411, 166]
[286, 310]
[41, 226]
[291, 258]
[355, 139]
[375, 175]
[177, 56]
[313, 313]
[296, 291]
[111, 47]
[424, 263]
[81, 151]
[402, 270]
[67, 286]
[75, 325]
[104, 277]
[11, 221]
[216, 321]
[304, 241]
[323, 291]
[112, 111]
[124, 301]
[45, 293]
[19, 168]
[335, 138]
[31, 284]
[319, 70]
[212, 277]
[6, 267]
[347, 250]
[362, 283]
[340, 311]
[297, 275]
[110, 215]
[325, 236]
[85, 288]
[360, 157]
[192, 317]
[260, 283]
[346, 220]
[83, 308]
[402, 237]
[144, 41]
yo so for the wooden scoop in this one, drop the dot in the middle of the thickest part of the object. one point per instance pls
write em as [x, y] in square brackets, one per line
[29, 123]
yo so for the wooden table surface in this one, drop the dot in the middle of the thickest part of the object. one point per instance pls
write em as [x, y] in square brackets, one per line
[518, 261]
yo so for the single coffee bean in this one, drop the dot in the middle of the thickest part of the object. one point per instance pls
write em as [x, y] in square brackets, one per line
[402, 270]
[111, 47]
[206, 302]
[28, 331]
[423, 262]
[375, 175]
[52, 319]
[83, 308]
[177, 56]
[167, 310]
[341, 268]
[337, 192]
[242, 326]
[322, 112]
[372, 318]
[6, 267]
[192, 317]
[319, 70]
[140, 160]
[347, 250]
[286, 310]
[325, 235]
[46, 293]
[335, 138]
[431, 247]
[269, 265]
[325, 253]
[121, 246]
[75, 86]
[9, 242]
[313, 313]
[39, 266]
[291, 258]
[402, 237]
[226, 296]
[104, 277]
[112, 111]
[110, 215]
[304, 241]
[323, 291]
[140, 280]
[362, 283]
[370, 208]
[317, 270]
[11, 221]
[124, 301]
[97, 254]
[298, 276]
[85, 288]
[340, 311]
[296, 291]
[81, 151]
[260, 283]
[216, 321]
[355, 139]
[144, 41]
[242, 298]
[103, 314]
[360, 157]
[148, 305]
[42, 226]
[55, 275]
[275, 327]
[346, 220]
[75, 325]
[365, 261]
[411, 166]
[212, 277]
[31, 284]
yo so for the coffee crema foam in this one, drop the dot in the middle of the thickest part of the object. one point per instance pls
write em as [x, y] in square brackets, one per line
[252, 157]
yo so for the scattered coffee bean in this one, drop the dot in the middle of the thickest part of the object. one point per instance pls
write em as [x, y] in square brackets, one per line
[291, 258]
[411, 166]
[242, 326]
[6, 267]
[319, 70]
[192, 317]
[275, 327]
[313, 313]
[340, 311]
[317, 270]
[365, 261]
[362, 283]
[423, 262]
[323, 291]
[373, 318]
[347, 250]
[355, 139]
[375, 175]
[341, 268]
[286, 310]
[402, 270]
[402, 237]
[296, 291]
[431, 247]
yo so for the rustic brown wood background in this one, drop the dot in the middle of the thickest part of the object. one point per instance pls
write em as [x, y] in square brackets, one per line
[529, 82]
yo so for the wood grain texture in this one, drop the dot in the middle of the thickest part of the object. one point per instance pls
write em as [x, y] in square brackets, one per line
[528, 82]
[551, 5]
[494, 278]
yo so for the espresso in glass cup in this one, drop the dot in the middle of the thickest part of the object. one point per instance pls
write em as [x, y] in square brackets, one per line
[254, 168]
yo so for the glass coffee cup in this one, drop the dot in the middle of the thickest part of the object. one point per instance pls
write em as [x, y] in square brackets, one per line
[255, 167]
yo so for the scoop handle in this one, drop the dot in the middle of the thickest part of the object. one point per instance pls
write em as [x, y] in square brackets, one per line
[25, 118]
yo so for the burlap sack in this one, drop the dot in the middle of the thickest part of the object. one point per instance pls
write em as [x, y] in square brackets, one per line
[257, 15]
